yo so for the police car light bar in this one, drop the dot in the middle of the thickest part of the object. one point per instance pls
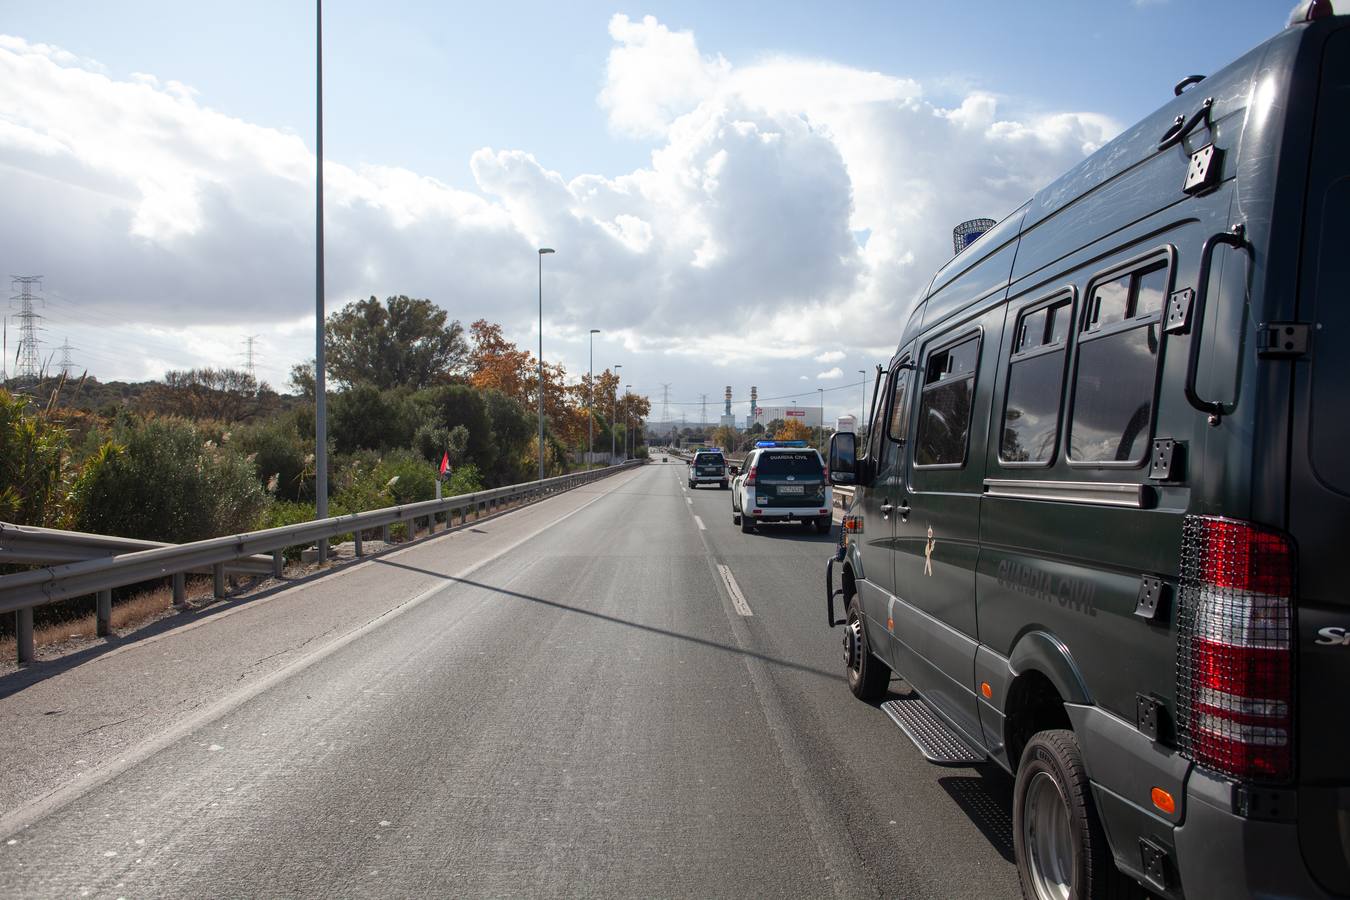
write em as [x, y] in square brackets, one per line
[780, 443]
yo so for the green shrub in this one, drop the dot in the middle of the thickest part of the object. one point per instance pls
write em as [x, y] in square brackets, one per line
[363, 417]
[32, 455]
[279, 457]
[465, 479]
[158, 480]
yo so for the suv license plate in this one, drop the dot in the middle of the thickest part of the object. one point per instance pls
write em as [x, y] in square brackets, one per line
[790, 489]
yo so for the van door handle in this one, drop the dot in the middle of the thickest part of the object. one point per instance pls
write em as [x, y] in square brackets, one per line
[886, 510]
[904, 511]
[1236, 238]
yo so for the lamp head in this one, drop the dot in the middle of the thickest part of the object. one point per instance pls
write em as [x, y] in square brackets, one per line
[543, 250]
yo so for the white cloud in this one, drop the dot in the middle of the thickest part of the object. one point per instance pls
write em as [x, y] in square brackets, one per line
[828, 374]
[153, 215]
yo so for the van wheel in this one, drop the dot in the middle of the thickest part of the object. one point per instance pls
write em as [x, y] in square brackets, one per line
[1061, 847]
[868, 676]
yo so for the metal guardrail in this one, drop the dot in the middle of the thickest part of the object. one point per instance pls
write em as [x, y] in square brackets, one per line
[22, 591]
[29, 544]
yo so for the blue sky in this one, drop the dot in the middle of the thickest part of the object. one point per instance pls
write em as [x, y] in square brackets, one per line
[704, 169]
[424, 84]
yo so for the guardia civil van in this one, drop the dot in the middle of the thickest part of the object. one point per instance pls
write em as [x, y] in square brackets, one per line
[1101, 513]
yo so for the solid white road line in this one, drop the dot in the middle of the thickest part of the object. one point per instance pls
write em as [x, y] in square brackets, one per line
[701, 526]
[734, 589]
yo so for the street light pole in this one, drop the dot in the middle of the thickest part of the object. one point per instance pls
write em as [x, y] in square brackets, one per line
[542, 251]
[320, 387]
[821, 439]
[613, 411]
[590, 405]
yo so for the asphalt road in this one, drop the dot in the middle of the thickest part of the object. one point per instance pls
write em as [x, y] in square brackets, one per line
[588, 713]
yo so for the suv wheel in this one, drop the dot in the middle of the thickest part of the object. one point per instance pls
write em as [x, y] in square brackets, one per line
[1061, 847]
[868, 676]
[824, 524]
[747, 523]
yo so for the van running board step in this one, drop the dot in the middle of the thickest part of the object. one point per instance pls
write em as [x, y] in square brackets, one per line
[935, 739]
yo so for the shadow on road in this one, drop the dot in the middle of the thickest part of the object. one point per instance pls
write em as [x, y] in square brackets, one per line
[987, 800]
[629, 623]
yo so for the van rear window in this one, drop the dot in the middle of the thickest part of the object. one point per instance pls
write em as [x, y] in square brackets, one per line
[1117, 368]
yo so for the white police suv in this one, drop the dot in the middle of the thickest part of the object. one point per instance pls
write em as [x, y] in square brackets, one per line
[782, 481]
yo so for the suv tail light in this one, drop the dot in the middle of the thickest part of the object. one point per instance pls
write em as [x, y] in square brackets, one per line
[1234, 641]
[750, 476]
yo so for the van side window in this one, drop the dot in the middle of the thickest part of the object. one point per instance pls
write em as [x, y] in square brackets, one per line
[898, 427]
[944, 407]
[1036, 383]
[1117, 367]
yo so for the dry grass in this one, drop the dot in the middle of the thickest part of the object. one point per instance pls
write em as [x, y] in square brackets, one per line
[127, 615]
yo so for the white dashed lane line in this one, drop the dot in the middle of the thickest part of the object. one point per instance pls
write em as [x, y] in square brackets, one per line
[689, 500]
[734, 589]
[701, 526]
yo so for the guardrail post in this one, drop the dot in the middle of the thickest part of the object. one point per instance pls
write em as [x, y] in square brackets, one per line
[218, 575]
[103, 613]
[384, 533]
[356, 543]
[278, 563]
[179, 589]
[23, 634]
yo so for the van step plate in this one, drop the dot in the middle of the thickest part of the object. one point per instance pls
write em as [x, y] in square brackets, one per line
[935, 740]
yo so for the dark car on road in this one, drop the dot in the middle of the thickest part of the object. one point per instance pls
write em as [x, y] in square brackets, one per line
[708, 467]
[1099, 514]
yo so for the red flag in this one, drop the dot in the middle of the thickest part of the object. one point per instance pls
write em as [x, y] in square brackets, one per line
[445, 464]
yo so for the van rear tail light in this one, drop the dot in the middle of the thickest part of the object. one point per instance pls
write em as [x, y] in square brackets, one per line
[1235, 652]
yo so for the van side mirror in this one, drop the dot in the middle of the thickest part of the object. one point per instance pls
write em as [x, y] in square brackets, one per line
[735, 470]
[844, 458]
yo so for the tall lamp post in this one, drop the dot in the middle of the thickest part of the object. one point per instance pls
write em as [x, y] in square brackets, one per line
[613, 411]
[822, 418]
[590, 405]
[320, 389]
[627, 426]
[542, 251]
[862, 410]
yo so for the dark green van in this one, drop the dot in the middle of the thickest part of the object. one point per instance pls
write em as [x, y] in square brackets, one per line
[1098, 513]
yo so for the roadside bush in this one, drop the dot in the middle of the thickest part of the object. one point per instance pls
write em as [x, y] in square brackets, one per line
[465, 479]
[32, 453]
[278, 452]
[363, 417]
[158, 480]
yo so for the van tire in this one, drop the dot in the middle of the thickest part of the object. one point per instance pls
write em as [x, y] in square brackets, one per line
[1051, 772]
[868, 677]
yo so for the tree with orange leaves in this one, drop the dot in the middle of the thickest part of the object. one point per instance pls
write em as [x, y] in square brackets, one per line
[793, 430]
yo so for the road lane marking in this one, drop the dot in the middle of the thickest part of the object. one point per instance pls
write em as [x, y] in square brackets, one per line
[689, 500]
[734, 589]
[701, 526]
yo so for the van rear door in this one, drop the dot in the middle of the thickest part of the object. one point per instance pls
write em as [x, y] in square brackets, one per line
[1320, 482]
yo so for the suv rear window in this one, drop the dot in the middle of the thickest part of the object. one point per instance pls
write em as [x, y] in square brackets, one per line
[779, 465]
[709, 459]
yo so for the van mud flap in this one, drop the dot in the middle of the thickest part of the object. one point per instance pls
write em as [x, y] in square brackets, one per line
[830, 593]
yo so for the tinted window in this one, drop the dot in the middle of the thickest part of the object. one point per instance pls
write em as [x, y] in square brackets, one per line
[709, 459]
[779, 465]
[1113, 396]
[1150, 291]
[900, 407]
[1035, 386]
[944, 412]
[1117, 368]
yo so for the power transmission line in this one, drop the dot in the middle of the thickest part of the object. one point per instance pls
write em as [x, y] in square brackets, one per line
[29, 365]
[67, 364]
